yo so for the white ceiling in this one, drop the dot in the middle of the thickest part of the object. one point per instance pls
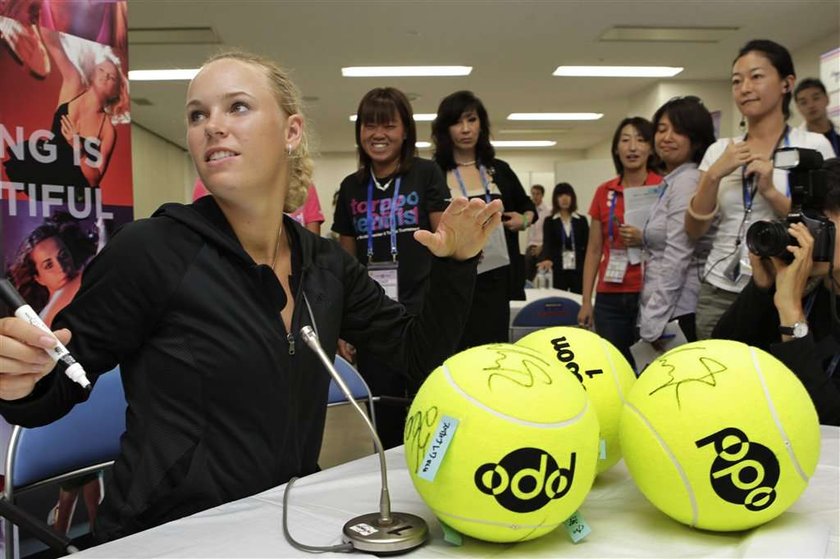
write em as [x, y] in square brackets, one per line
[513, 48]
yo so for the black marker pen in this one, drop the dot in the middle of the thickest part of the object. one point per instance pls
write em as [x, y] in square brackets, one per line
[59, 353]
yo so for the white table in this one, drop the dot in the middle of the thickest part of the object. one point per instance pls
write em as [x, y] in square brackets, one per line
[624, 524]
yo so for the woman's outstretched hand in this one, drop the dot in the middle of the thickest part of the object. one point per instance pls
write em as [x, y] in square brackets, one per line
[464, 228]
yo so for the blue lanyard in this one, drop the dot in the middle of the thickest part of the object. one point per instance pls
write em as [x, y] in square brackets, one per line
[612, 216]
[393, 219]
[484, 181]
[834, 138]
[748, 191]
[571, 233]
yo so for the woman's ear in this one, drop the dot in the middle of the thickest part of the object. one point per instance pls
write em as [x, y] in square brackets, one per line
[294, 131]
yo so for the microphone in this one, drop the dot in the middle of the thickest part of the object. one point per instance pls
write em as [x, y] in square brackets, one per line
[385, 531]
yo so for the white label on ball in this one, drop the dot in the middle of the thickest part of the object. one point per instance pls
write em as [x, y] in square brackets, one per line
[577, 527]
[602, 450]
[438, 446]
[364, 529]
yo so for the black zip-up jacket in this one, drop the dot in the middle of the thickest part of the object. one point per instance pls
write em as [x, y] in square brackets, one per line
[222, 401]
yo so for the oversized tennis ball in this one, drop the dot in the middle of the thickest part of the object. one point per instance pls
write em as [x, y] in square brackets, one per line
[720, 435]
[502, 443]
[600, 368]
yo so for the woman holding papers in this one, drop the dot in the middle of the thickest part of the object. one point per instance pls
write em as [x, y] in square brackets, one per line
[607, 258]
[683, 131]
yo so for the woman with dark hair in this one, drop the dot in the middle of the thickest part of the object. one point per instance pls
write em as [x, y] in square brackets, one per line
[683, 131]
[461, 134]
[738, 184]
[619, 281]
[47, 272]
[393, 194]
[47, 269]
[565, 237]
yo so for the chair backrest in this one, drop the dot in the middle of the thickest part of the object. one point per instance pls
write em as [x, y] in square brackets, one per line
[357, 385]
[88, 435]
[542, 313]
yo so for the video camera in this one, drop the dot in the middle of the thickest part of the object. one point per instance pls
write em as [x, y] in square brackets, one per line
[808, 189]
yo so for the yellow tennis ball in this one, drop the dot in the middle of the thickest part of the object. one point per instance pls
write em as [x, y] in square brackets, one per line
[501, 443]
[720, 435]
[601, 369]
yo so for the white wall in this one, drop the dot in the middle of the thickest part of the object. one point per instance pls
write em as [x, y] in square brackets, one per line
[162, 172]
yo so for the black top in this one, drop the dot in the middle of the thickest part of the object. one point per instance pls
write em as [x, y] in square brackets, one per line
[555, 240]
[222, 402]
[422, 191]
[754, 320]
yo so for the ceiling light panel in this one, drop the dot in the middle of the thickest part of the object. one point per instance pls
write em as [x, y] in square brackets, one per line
[618, 71]
[418, 117]
[523, 143]
[404, 71]
[669, 34]
[162, 75]
[554, 116]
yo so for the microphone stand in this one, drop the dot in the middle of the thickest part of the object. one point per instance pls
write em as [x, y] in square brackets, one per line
[20, 517]
[377, 532]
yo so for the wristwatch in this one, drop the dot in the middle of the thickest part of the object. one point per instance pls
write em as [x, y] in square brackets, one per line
[798, 330]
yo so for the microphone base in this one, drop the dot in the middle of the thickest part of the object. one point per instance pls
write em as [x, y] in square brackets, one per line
[404, 533]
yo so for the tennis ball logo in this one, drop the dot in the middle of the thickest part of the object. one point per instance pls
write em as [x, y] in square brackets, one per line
[526, 479]
[744, 472]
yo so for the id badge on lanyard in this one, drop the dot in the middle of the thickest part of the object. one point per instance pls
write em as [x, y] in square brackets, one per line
[617, 259]
[495, 252]
[386, 275]
[569, 259]
[617, 262]
[568, 254]
[740, 264]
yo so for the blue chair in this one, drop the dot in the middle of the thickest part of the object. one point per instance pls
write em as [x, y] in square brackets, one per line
[85, 440]
[359, 389]
[542, 313]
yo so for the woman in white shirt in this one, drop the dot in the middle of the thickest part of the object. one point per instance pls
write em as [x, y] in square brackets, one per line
[738, 184]
[683, 130]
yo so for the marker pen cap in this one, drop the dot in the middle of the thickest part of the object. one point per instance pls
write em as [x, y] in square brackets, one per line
[77, 374]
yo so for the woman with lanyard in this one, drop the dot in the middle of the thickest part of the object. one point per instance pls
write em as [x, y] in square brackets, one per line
[607, 255]
[738, 184]
[565, 236]
[683, 130]
[461, 133]
[379, 207]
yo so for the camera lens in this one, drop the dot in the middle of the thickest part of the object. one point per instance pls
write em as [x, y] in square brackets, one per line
[769, 238]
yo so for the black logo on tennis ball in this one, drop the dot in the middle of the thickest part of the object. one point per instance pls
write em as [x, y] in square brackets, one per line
[744, 472]
[526, 479]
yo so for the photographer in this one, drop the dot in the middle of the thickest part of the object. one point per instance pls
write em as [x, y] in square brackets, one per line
[790, 308]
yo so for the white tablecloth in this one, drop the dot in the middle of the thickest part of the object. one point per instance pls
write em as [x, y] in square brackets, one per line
[623, 523]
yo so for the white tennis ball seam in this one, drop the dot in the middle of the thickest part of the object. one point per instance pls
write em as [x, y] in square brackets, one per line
[775, 415]
[686, 482]
[505, 417]
[615, 378]
[511, 525]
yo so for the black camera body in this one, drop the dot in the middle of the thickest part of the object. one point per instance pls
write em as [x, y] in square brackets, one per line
[807, 197]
